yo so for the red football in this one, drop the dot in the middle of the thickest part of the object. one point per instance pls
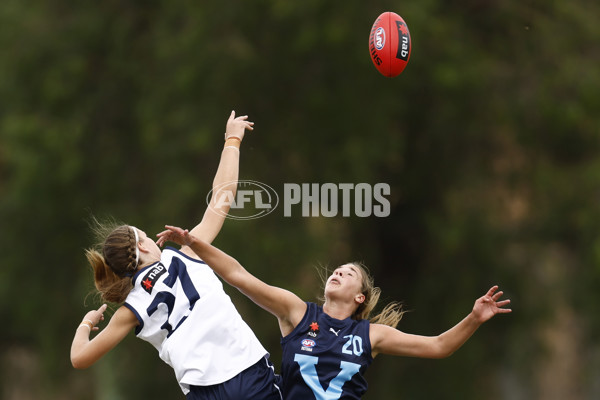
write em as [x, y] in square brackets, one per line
[389, 44]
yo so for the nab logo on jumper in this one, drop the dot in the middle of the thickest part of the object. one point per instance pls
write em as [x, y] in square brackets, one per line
[152, 276]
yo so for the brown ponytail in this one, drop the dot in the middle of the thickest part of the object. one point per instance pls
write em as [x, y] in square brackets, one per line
[113, 259]
[112, 288]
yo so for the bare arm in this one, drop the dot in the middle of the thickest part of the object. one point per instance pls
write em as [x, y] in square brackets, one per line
[85, 352]
[224, 184]
[283, 304]
[387, 340]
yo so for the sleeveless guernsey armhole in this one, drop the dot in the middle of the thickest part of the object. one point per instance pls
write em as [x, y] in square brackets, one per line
[137, 315]
[368, 347]
[300, 324]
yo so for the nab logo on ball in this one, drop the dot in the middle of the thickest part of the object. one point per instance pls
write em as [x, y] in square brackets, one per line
[389, 44]
[404, 41]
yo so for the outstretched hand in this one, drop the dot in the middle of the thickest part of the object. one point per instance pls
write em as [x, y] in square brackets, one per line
[488, 305]
[236, 126]
[95, 316]
[174, 234]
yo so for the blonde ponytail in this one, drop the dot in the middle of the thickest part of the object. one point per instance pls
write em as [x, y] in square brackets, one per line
[391, 313]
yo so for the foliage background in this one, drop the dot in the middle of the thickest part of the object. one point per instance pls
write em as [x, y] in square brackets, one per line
[489, 141]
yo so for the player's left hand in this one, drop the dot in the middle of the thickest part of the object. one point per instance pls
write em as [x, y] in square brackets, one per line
[488, 305]
[96, 316]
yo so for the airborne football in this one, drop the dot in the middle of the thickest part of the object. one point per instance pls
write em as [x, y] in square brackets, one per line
[389, 44]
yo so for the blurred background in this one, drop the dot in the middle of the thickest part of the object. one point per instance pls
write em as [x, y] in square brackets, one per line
[489, 141]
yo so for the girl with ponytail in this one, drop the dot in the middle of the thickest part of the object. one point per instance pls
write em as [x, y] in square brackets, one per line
[336, 342]
[119, 250]
[173, 300]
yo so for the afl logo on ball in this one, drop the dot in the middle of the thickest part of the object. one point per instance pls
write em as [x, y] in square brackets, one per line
[379, 38]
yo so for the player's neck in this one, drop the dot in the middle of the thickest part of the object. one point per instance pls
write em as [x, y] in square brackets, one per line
[147, 261]
[338, 309]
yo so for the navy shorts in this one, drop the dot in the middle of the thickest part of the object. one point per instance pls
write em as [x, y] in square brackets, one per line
[257, 382]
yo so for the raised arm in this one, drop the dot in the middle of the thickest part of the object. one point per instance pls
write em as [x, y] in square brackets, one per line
[224, 183]
[85, 352]
[387, 340]
[283, 304]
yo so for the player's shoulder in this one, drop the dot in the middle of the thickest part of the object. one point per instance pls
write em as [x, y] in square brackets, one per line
[377, 332]
[125, 316]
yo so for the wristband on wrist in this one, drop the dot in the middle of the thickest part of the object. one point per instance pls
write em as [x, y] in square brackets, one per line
[233, 142]
[87, 323]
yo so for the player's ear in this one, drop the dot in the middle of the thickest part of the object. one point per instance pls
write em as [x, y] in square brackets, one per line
[359, 298]
[142, 247]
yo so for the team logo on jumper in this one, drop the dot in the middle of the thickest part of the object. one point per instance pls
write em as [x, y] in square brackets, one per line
[314, 329]
[308, 344]
[152, 276]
